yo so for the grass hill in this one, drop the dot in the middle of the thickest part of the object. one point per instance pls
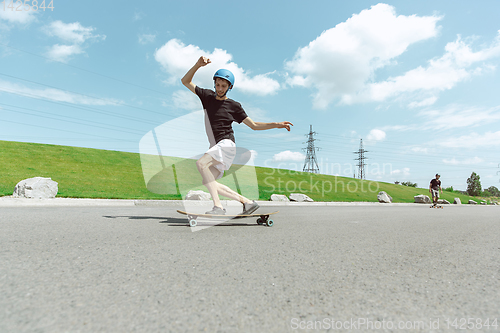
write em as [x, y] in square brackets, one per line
[94, 173]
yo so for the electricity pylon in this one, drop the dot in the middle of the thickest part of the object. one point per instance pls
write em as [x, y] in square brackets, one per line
[361, 158]
[311, 164]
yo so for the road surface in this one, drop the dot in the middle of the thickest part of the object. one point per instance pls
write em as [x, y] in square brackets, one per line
[142, 269]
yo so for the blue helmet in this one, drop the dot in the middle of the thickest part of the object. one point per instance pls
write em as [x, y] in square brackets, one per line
[226, 75]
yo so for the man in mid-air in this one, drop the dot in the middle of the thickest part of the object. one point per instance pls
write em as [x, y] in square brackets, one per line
[220, 113]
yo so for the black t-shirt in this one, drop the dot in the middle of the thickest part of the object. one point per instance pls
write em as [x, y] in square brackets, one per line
[221, 114]
[435, 184]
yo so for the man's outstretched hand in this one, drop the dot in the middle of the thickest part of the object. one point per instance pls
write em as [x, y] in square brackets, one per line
[285, 124]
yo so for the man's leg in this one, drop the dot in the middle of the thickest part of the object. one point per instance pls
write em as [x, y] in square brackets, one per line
[229, 193]
[204, 165]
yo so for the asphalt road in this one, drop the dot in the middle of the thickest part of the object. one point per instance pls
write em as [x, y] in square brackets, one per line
[142, 269]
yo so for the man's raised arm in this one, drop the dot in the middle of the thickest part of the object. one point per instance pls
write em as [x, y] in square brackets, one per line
[187, 80]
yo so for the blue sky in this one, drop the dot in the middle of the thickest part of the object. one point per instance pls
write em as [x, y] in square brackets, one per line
[417, 81]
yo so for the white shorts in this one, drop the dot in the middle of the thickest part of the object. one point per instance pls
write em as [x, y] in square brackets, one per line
[224, 152]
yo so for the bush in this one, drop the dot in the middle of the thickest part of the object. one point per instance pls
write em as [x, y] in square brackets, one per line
[410, 184]
[486, 194]
[494, 191]
[449, 189]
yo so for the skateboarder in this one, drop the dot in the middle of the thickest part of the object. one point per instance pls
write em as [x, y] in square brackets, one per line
[434, 188]
[220, 112]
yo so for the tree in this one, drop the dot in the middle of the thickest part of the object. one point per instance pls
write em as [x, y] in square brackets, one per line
[494, 191]
[474, 185]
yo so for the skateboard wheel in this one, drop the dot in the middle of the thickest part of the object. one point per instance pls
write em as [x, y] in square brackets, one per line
[269, 223]
[192, 223]
[260, 221]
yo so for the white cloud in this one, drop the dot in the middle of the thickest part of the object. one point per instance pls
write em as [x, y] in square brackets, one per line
[54, 95]
[176, 59]
[63, 52]
[289, 156]
[186, 100]
[342, 60]
[458, 64]
[22, 17]
[73, 33]
[450, 117]
[420, 150]
[473, 140]
[456, 116]
[146, 38]
[138, 16]
[425, 102]
[251, 161]
[404, 172]
[469, 161]
[376, 135]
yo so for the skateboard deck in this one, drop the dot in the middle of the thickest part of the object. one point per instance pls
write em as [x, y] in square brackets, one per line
[436, 206]
[263, 218]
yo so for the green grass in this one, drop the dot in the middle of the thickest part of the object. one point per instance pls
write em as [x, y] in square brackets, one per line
[79, 172]
[331, 188]
[94, 173]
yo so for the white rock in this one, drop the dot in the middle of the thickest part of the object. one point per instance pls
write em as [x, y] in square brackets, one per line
[198, 195]
[422, 199]
[383, 197]
[36, 188]
[300, 197]
[279, 197]
[443, 202]
[472, 202]
[457, 201]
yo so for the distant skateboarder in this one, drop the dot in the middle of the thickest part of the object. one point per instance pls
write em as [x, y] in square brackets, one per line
[434, 188]
[220, 113]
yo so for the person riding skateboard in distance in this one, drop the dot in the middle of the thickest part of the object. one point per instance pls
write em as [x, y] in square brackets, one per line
[220, 112]
[434, 188]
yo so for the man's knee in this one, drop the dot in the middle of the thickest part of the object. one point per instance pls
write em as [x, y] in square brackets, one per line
[204, 162]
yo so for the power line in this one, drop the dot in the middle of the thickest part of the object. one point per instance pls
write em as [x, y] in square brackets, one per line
[83, 69]
[76, 93]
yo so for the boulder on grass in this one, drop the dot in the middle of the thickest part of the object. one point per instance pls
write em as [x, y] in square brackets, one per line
[279, 197]
[422, 199]
[457, 201]
[36, 188]
[472, 202]
[383, 197]
[299, 197]
[443, 202]
[198, 195]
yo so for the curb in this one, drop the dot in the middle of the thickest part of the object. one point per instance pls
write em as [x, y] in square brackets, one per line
[73, 202]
